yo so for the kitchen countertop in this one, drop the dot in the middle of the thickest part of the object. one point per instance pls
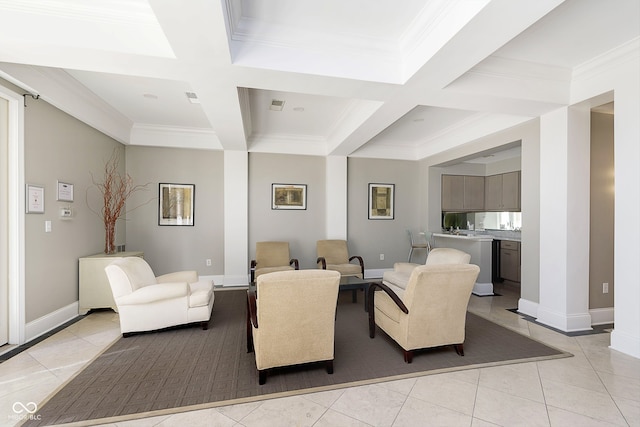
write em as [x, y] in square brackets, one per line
[481, 236]
[472, 237]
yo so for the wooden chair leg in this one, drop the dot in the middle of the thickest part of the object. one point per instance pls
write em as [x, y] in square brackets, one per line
[329, 365]
[408, 356]
[459, 349]
[262, 376]
[205, 325]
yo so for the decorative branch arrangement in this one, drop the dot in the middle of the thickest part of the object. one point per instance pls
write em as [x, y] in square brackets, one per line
[115, 189]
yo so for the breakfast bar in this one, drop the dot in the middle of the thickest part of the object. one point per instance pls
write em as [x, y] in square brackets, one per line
[479, 247]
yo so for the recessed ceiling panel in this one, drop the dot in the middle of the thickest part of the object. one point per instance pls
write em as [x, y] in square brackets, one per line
[145, 100]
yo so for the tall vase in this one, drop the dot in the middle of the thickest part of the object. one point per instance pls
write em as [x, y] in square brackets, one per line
[110, 237]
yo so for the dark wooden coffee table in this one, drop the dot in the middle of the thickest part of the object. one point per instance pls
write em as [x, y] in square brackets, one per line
[353, 283]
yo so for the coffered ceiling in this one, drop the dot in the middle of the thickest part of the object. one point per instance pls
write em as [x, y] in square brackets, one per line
[354, 78]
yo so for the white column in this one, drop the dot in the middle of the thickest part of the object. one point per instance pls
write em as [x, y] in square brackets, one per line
[564, 219]
[236, 217]
[336, 204]
[626, 334]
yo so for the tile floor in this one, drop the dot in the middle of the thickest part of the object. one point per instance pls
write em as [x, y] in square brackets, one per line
[596, 387]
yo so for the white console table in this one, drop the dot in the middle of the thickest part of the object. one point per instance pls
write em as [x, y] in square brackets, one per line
[94, 288]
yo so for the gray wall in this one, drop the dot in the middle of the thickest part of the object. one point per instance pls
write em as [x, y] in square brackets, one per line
[370, 238]
[173, 248]
[602, 211]
[301, 228]
[59, 147]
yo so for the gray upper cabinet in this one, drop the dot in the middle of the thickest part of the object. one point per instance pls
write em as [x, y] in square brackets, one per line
[474, 193]
[502, 192]
[462, 193]
[452, 193]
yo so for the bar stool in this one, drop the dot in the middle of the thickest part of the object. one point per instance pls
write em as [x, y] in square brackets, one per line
[418, 245]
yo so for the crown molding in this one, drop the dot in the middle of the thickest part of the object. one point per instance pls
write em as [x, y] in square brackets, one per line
[614, 58]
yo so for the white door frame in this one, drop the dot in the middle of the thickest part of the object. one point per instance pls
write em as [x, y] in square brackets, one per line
[15, 216]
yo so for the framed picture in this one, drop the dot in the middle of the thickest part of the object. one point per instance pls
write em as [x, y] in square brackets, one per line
[176, 205]
[289, 196]
[381, 201]
[35, 199]
[65, 192]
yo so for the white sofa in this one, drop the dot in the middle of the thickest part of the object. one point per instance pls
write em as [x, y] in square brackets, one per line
[146, 302]
[398, 278]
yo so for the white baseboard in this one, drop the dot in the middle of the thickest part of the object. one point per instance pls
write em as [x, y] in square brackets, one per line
[50, 321]
[375, 273]
[602, 316]
[527, 307]
[483, 289]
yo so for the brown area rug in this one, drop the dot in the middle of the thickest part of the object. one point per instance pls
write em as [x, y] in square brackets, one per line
[178, 368]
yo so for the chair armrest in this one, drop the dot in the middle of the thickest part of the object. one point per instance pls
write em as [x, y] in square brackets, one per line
[253, 309]
[294, 262]
[371, 295]
[360, 261]
[252, 270]
[189, 276]
[404, 267]
[154, 293]
[323, 261]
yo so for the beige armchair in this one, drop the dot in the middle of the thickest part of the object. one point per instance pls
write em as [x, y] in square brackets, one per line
[292, 316]
[398, 278]
[270, 257]
[432, 311]
[334, 255]
[147, 303]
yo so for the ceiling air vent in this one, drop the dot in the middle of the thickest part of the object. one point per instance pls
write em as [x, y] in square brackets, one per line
[276, 105]
[192, 97]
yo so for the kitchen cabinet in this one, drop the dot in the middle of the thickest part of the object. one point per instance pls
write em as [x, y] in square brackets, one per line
[510, 260]
[94, 289]
[462, 193]
[502, 192]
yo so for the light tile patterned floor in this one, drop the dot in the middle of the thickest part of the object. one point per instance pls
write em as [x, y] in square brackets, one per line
[596, 387]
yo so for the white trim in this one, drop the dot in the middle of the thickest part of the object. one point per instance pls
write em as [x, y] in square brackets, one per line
[483, 289]
[51, 321]
[601, 316]
[527, 307]
[16, 216]
[234, 280]
[375, 273]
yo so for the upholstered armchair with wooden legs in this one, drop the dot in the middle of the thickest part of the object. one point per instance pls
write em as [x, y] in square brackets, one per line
[270, 257]
[334, 255]
[292, 316]
[431, 313]
[146, 302]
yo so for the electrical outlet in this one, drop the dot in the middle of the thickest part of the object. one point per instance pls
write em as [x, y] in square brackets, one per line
[381, 257]
[208, 262]
[605, 288]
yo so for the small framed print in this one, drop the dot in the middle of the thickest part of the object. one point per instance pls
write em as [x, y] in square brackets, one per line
[35, 198]
[381, 201]
[288, 196]
[65, 192]
[176, 205]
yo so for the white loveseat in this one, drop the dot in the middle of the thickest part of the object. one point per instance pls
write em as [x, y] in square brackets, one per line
[146, 302]
[398, 278]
